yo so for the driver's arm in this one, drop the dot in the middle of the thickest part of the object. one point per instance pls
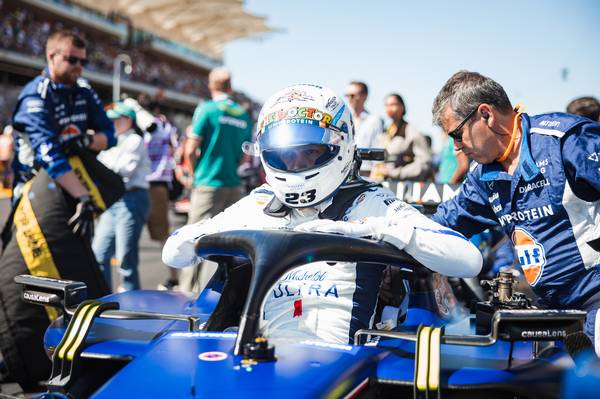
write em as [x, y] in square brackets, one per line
[384, 217]
[179, 249]
[438, 248]
[469, 212]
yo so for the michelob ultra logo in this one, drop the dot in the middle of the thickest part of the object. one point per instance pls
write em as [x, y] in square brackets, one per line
[531, 254]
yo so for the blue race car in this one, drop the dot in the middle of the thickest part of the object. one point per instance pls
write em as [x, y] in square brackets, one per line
[163, 344]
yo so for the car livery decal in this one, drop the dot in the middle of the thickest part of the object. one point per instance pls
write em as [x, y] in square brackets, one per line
[212, 356]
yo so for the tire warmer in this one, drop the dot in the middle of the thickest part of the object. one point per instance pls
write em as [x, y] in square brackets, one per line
[42, 244]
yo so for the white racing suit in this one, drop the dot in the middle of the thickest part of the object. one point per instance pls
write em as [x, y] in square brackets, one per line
[320, 301]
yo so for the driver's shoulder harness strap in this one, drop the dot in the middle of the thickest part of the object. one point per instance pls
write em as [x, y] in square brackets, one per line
[342, 201]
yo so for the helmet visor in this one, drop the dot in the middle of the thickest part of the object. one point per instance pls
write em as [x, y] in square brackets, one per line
[293, 147]
[300, 158]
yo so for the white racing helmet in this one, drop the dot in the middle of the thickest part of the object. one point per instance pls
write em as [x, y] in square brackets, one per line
[305, 140]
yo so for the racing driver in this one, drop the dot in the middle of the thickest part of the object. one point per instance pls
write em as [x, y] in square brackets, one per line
[537, 177]
[305, 140]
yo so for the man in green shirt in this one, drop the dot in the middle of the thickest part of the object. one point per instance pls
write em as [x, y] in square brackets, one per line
[213, 151]
[219, 128]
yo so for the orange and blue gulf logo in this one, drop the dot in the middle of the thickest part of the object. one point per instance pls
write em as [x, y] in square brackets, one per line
[531, 254]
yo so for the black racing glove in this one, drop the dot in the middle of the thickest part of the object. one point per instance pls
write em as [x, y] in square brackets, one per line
[82, 221]
[75, 146]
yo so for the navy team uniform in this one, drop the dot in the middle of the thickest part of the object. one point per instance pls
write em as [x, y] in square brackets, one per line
[47, 115]
[549, 207]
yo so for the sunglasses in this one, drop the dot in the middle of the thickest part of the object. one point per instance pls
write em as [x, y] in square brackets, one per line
[456, 134]
[72, 60]
[352, 95]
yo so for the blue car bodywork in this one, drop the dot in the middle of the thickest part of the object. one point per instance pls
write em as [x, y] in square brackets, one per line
[165, 344]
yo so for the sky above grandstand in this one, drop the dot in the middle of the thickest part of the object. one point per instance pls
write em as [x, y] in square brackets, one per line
[544, 52]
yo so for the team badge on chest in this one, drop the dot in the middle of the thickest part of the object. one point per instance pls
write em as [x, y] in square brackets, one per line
[531, 254]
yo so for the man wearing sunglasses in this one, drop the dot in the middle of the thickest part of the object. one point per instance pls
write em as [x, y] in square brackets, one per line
[538, 178]
[53, 115]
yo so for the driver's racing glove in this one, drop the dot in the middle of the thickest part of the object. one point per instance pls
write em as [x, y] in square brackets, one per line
[370, 227]
[82, 221]
[438, 248]
[76, 145]
[179, 250]
[376, 228]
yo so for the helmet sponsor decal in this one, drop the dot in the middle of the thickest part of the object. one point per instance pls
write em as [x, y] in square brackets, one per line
[332, 103]
[361, 198]
[336, 118]
[295, 113]
[212, 356]
[294, 95]
[531, 254]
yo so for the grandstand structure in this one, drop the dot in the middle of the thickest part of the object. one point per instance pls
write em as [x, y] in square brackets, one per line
[171, 56]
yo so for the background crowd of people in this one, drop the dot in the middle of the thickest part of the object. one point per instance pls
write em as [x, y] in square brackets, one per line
[25, 32]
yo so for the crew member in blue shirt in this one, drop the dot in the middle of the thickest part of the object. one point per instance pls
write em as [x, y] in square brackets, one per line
[538, 177]
[52, 118]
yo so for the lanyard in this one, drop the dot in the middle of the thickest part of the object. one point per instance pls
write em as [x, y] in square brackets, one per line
[519, 109]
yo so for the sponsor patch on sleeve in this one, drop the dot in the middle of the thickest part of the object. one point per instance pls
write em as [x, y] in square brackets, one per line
[34, 105]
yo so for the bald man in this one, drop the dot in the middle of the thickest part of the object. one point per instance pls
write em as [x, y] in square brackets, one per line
[213, 152]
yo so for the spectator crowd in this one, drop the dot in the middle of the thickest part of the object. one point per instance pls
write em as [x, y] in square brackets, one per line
[25, 32]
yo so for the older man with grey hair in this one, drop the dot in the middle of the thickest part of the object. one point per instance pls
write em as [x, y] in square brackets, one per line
[537, 178]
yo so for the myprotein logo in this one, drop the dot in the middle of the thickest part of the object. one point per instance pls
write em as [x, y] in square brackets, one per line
[531, 254]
